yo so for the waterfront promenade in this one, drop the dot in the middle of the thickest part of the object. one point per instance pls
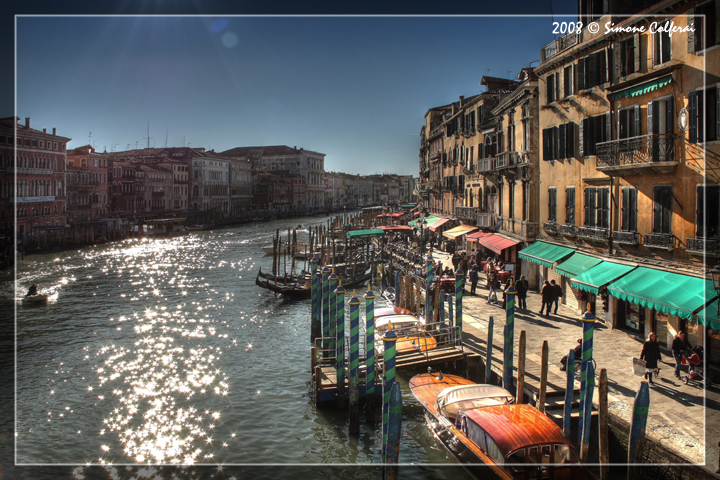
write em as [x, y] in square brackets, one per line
[677, 421]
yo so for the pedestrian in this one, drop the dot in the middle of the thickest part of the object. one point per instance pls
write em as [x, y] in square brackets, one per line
[494, 287]
[464, 265]
[651, 355]
[455, 261]
[522, 288]
[679, 347]
[474, 277]
[557, 293]
[478, 258]
[546, 294]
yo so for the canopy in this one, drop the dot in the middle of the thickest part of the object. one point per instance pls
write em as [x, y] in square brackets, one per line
[642, 89]
[577, 264]
[409, 205]
[496, 243]
[461, 230]
[397, 228]
[708, 316]
[376, 232]
[473, 237]
[545, 254]
[670, 293]
[439, 223]
[599, 276]
[430, 219]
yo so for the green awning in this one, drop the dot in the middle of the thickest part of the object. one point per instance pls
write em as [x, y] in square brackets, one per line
[546, 254]
[409, 205]
[576, 265]
[430, 219]
[600, 275]
[670, 293]
[642, 89]
[375, 232]
[708, 316]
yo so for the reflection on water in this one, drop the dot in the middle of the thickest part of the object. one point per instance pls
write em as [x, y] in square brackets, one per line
[165, 352]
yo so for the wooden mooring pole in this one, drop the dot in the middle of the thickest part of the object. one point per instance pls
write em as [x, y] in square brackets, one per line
[488, 353]
[520, 395]
[603, 422]
[638, 423]
[569, 392]
[340, 344]
[394, 433]
[389, 340]
[543, 377]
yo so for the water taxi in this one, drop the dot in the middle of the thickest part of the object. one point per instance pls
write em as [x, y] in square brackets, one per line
[492, 436]
[411, 333]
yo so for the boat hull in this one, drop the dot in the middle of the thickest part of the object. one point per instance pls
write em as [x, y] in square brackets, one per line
[39, 299]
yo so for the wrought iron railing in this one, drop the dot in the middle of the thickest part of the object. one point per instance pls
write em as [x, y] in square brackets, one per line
[593, 233]
[505, 159]
[467, 213]
[567, 230]
[640, 150]
[550, 227]
[558, 45]
[486, 220]
[435, 155]
[660, 240]
[628, 238]
[710, 246]
[484, 165]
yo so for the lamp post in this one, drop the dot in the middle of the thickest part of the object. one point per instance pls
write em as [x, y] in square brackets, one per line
[715, 273]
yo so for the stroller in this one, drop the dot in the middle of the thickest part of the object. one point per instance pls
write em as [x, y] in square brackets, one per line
[696, 362]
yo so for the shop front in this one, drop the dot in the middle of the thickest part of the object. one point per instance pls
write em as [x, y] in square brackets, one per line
[542, 257]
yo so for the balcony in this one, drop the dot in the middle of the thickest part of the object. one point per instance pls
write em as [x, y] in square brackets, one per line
[505, 160]
[550, 228]
[593, 233]
[567, 230]
[435, 155]
[660, 241]
[637, 155]
[559, 45]
[484, 165]
[703, 246]
[468, 214]
[626, 238]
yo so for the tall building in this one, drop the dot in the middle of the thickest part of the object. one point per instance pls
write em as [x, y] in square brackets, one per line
[38, 189]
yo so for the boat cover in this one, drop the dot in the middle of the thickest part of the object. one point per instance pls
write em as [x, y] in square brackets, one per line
[463, 397]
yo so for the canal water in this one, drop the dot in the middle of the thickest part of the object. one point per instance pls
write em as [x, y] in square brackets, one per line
[164, 351]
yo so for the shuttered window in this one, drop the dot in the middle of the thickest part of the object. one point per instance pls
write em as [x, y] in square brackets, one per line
[570, 206]
[662, 46]
[552, 205]
[592, 70]
[707, 219]
[597, 207]
[568, 81]
[662, 209]
[550, 92]
[706, 29]
[629, 210]
[704, 113]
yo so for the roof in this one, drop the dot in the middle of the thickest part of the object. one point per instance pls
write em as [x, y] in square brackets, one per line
[667, 292]
[516, 426]
[269, 150]
[496, 243]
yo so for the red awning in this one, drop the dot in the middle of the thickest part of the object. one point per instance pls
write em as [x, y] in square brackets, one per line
[439, 223]
[397, 228]
[416, 214]
[496, 243]
[396, 214]
[473, 237]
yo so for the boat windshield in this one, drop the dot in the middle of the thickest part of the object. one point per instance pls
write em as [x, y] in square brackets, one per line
[402, 325]
[454, 400]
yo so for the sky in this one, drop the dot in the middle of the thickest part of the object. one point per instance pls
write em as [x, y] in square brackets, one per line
[355, 88]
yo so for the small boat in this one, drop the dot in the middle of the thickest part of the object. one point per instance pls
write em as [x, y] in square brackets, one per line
[258, 219]
[37, 299]
[202, 226]
[482, 427]
[411, 333]
[285, 248]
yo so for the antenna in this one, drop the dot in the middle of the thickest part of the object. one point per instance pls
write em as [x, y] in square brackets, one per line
[136, 144]
[148, 137]
[166, 135]
[90, 138]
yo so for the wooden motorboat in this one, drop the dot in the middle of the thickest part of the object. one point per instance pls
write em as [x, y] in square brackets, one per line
[411, 333]
[285, 248]
[37, 299]
[385, 311]
[202, 226]
[490, 435]
[299, 285]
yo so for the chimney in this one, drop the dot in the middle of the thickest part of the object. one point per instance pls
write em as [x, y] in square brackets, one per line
[462, 100]
[27, 122]
[54, 129]
[44, 130]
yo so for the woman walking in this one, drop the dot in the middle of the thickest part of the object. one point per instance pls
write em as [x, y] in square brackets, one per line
[651, 355]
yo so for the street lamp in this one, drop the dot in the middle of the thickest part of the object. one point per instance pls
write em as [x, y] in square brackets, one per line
[715, 273]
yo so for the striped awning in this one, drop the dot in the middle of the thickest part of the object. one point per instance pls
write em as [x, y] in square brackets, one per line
[545, 254]
[576, 264]
[642, 89]
[438, 224]
[600, 275]
[496, 243]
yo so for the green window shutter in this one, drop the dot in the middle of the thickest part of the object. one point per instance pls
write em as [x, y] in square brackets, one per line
[617, 55]
[581, 73]
[637, 121]
[561, 142]
[570, 140]
[625, 210]
[693, 118]
[691, 32]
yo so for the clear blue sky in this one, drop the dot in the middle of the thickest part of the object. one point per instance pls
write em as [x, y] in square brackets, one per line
[354, 88]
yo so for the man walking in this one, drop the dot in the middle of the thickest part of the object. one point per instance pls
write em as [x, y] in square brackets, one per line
[494, 286]
[522, 288]
[679, 347]
[546, 294]
[474, 277]
[556, 294]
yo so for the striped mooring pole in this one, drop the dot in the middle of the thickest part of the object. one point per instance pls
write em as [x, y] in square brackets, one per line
[569, 390]
[333, 282]
[389, 340]
[398, 294]
[638, 423]
[326, 309]
[340, 340]
[314, 317]
[441, 309]
[430, 274]
[585, 444]
[509, 337]
[354, 364]
[370, 354]
[488, 359]
[394, 433]
[588, 320]
[458, 307]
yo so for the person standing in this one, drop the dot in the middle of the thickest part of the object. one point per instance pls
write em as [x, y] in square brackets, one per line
[651, 354]
[474, 277]
[556, 294]
[522, 288]
[494, 287]
[455, 261]
[464, 265]
[546, 294]
[679, 347]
